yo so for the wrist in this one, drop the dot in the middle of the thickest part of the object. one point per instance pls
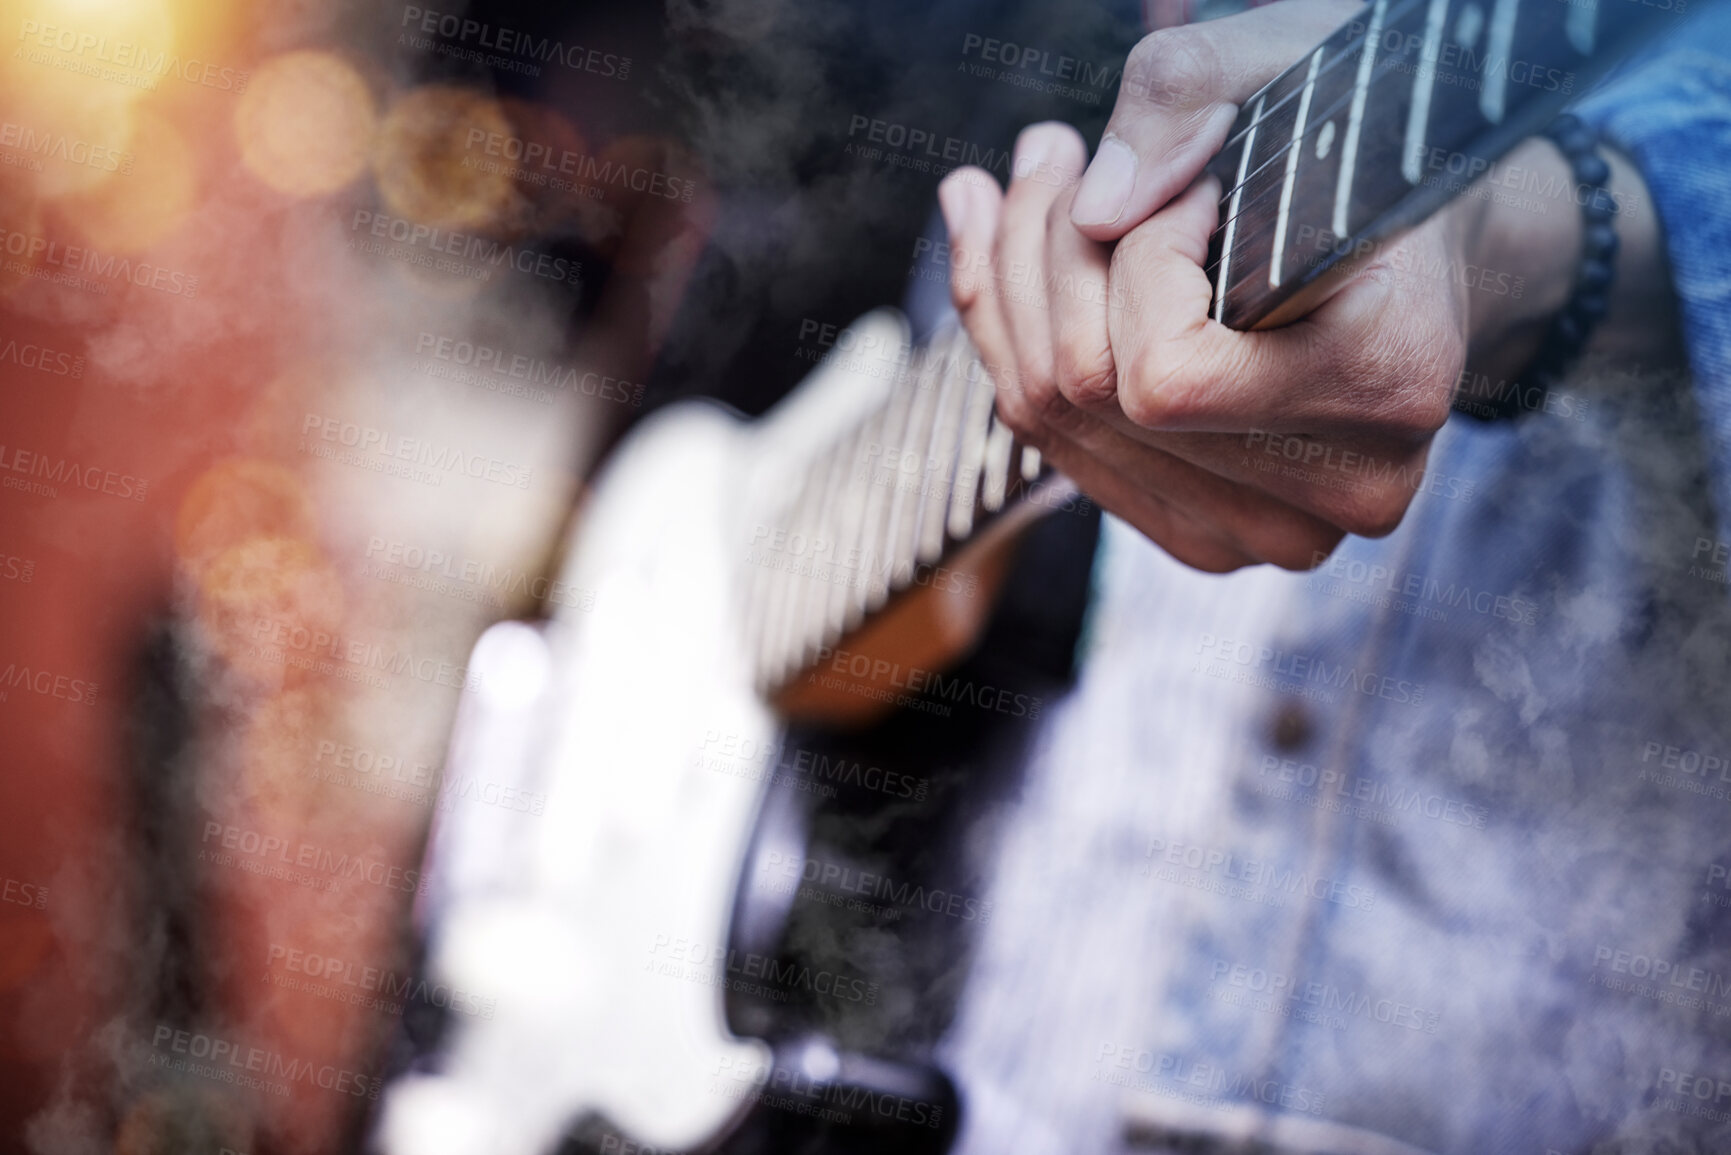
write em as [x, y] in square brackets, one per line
[1522, 224]
[1524, 219]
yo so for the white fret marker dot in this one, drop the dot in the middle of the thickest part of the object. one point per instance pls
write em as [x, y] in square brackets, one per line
[1325, 141]
[1468, 27]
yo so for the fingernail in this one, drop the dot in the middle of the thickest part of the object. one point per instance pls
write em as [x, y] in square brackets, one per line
[953, 201]
[1035, 147]
[1106, 185]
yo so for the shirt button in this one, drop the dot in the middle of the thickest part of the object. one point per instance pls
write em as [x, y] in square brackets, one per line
[1292, 728]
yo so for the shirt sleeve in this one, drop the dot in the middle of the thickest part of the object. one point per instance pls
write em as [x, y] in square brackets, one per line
[1669, 110]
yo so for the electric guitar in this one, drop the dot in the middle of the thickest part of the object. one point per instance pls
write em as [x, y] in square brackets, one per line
[746, 574]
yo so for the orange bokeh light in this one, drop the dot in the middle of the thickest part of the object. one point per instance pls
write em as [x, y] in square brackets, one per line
[305, 124]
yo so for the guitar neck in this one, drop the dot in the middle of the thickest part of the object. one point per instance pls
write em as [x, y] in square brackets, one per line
[1401, 109]
[925, 475]
[1398, 111]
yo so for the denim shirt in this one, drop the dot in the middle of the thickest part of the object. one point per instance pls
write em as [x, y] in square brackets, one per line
[1429, 850]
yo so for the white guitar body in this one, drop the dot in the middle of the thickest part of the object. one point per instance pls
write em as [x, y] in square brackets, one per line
[597, 931]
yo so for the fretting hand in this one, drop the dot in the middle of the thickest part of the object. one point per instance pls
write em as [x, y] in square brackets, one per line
[1090, 305]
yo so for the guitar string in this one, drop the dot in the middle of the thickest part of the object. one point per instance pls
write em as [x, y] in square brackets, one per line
[1317, 121]
[1399, 13]
[1247, 206]
[1270, 111]
[1315, 126]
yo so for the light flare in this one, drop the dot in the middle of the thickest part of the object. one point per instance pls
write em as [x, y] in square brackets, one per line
[305, 124]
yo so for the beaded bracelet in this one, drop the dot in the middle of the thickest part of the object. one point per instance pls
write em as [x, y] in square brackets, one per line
[1571, 328]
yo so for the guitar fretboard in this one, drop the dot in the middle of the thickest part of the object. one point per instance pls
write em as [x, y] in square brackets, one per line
[878, 513]
[1402, 108]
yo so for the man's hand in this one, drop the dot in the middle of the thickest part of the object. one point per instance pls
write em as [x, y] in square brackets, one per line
[1090, 302]
[1226, 448]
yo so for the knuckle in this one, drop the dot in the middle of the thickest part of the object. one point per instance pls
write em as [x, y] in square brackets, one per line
[1016, 411]
[1086, 382]
[1327, 540]
[1199, 547]
[1171, 67]
[1213, 561]
[1086, 372]
[1140, 401]
[1153, 394]
[1375, 511]
[963, 292]
[1044, 398]
[1424, 406]
[1418, 377]
[1303, 547]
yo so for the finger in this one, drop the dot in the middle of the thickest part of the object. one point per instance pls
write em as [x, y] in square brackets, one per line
[1329, 374]
[1081, 336]
[1048, 157]
[1179, 95]
[1249, 519]
[973, 208]
[1202, 520]
[972, 204]
[1359, 487]
[1179, 534]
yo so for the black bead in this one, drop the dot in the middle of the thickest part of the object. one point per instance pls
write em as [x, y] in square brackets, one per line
[1591, 169]
[1575, 141]
[1595, 274]
[1590, 307]
[1563, 123]
[1589, 299]
[1599, 240]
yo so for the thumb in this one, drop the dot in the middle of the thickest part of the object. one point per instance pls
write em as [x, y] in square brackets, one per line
[1178, 98]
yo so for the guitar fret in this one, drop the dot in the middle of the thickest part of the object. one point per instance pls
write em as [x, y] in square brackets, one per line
[1225, 278]
[1293, 152]
[760, 612]
[1265, 192]
[971, 454]
[781, 589]
[1418, 114]
[804, 600]
[1493, 91]
[910, 505]
[849, 527]
[944, 441]
[997, 467]
[1355, 118]
[884, 522]
[783, 592]
[889, 424]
